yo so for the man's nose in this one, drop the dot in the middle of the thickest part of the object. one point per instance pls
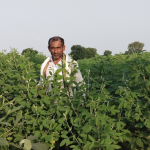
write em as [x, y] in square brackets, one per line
[55, 51]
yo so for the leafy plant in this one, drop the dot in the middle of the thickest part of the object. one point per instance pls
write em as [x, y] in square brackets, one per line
[109, 111]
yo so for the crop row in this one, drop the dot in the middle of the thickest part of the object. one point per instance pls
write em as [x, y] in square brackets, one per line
[110, 111]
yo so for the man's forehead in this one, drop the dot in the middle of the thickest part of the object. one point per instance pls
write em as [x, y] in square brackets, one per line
[58, 42]
[51, 41]
[55, 40]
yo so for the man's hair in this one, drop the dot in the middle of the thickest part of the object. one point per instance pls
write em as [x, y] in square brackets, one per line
[56, 38]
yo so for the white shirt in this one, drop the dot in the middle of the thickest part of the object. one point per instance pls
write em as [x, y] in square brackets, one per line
[52, 67]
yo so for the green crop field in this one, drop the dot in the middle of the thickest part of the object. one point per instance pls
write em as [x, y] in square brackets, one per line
[115, 113]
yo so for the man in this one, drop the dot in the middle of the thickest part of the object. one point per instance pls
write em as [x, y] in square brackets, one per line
[58, 58]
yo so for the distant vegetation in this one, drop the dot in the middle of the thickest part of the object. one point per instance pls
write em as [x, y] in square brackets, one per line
[34, 56]
[29, 50]
[79, 52]
[107, 52]
[134, 47]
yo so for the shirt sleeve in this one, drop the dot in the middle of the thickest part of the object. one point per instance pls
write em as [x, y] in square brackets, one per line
[78, 75]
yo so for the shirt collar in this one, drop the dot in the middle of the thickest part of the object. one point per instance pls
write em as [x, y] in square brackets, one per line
[51, 60]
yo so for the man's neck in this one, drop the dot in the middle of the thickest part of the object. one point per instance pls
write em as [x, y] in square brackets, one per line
[56, 60]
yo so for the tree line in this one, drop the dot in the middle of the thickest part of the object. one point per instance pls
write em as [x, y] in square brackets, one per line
[79, 52]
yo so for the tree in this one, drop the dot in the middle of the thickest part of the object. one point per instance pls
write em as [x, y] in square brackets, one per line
[90, 52]
[29, 51]
[134, 47]
[80, 52]
[107, 52]
[128, 52]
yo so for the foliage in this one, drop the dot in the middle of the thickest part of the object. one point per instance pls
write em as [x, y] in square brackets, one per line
[37, 59]
[126, 80]
[107, 52]
[34, 56]
[90, 52]
[80, 52]
[134, 47]
[110, 111]
[29, 50]
[17, 75]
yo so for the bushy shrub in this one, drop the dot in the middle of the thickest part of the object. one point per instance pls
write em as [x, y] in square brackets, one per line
[110, 111]
[126, 79]
[36, 58]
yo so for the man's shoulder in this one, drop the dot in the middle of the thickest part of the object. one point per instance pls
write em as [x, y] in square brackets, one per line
[69, 59]
[45, 61]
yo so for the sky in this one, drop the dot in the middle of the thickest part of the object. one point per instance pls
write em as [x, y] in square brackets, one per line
[101, 24]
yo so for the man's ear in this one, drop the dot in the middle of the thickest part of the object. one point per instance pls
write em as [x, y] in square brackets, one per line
[49, 48]
[64, 48]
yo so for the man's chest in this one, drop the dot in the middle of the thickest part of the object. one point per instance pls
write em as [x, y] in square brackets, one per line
[52, 68]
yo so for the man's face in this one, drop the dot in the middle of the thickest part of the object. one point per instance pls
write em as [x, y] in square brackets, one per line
[56, 50]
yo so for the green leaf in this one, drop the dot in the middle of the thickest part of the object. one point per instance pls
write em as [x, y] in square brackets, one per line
[91, 146]
[77, 148]
[2, 119]
[46, 100]
[115, 146]
[18, 117]
[58, 128]
[39, 146]
[140, 125]
[61, 108]
[91, 138]
[70, 113]
[64, 136]
[41, 127]
[87, 145]
[107, 127]
[30, 95]
[147, 123]
[118, 125]
[28, 105]
[58, 113]
[63, 142]
[18, 137]
[9, 138]
[87, 128]
[5, 123]
[83, 135]
[31, 137]
[137, 117]
[3, 142]
[77, 120]
[133, 146]
[139, 142]
[61, 120]
[148, 68]
[15, 145]
[15, 109]
[80, 140]
[64, 132]
[73, 146]
[136, 77]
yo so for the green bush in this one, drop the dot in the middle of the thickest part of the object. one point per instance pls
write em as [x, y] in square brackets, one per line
[126, 79]
[115, 114]
[35, 58]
